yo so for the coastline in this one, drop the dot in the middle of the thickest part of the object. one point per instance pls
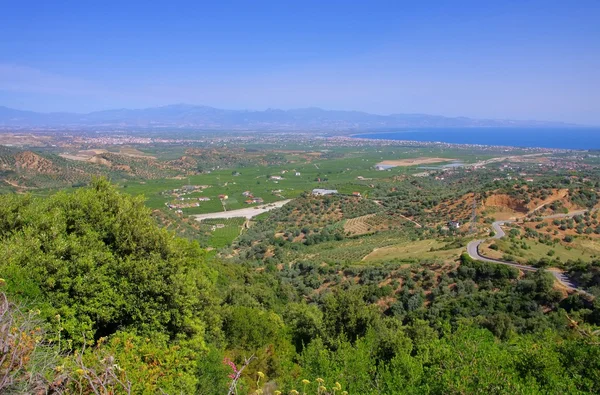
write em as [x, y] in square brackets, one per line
[569, 139]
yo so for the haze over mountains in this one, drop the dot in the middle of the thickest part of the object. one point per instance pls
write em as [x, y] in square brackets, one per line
[193, 116]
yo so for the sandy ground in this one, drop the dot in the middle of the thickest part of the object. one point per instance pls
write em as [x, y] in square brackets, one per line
[414, 161]
[75, 157]
[243, 212]
[86, 155]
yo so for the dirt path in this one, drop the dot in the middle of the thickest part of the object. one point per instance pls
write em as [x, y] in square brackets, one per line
[561, 195]
[418, 225]
[14, 184]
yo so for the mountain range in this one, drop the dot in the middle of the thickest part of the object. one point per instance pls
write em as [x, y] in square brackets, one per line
[210, 118]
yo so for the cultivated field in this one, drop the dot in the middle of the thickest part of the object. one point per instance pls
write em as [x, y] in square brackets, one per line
[358, 226]
[522, 251]
[222, 231]
[423, 249]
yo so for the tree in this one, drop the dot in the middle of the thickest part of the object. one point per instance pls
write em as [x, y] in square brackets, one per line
[99, 262]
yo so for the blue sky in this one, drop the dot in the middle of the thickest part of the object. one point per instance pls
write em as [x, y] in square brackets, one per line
[505, 59]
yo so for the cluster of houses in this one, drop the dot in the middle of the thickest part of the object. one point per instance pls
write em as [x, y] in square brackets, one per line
[185, 190]
[251, 199]
[276, 179]
[186, 203]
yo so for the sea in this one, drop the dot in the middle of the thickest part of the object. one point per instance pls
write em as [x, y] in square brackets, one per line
[562, 138]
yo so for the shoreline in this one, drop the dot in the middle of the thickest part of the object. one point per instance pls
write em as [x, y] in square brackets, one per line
[434, 138]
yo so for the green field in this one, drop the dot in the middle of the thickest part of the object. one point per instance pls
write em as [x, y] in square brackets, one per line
[415, 250]
[337, 173]
[222, 237]
[579, 249]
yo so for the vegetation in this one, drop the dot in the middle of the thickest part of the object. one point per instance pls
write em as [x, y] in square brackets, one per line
[365, 292]
[100, 297]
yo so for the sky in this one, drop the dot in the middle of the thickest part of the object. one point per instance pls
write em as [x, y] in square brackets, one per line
[523, 59]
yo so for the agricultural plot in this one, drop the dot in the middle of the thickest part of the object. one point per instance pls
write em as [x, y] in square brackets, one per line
[525, 250]
[222, 231]
[415, 250]
[349, 250]
[372, 223]
[347, 171]
[358, 226]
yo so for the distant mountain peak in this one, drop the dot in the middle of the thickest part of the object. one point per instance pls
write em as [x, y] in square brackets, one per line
[206, 117]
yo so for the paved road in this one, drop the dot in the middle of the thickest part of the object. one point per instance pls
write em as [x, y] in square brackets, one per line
[473, 251]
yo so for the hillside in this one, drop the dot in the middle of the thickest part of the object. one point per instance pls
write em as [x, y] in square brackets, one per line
[95, 289]
[23, 169]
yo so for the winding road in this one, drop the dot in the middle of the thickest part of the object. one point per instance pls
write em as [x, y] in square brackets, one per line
[473, 251]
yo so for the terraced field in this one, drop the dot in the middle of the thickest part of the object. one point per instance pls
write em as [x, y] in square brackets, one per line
[358, 226]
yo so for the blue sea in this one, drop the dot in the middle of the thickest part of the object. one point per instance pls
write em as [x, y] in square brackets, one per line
[566, 138]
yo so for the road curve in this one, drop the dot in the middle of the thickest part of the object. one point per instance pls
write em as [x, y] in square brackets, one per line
[473, 251]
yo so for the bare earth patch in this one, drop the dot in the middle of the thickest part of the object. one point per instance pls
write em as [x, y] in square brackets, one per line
[414, 161]
[243, 212]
